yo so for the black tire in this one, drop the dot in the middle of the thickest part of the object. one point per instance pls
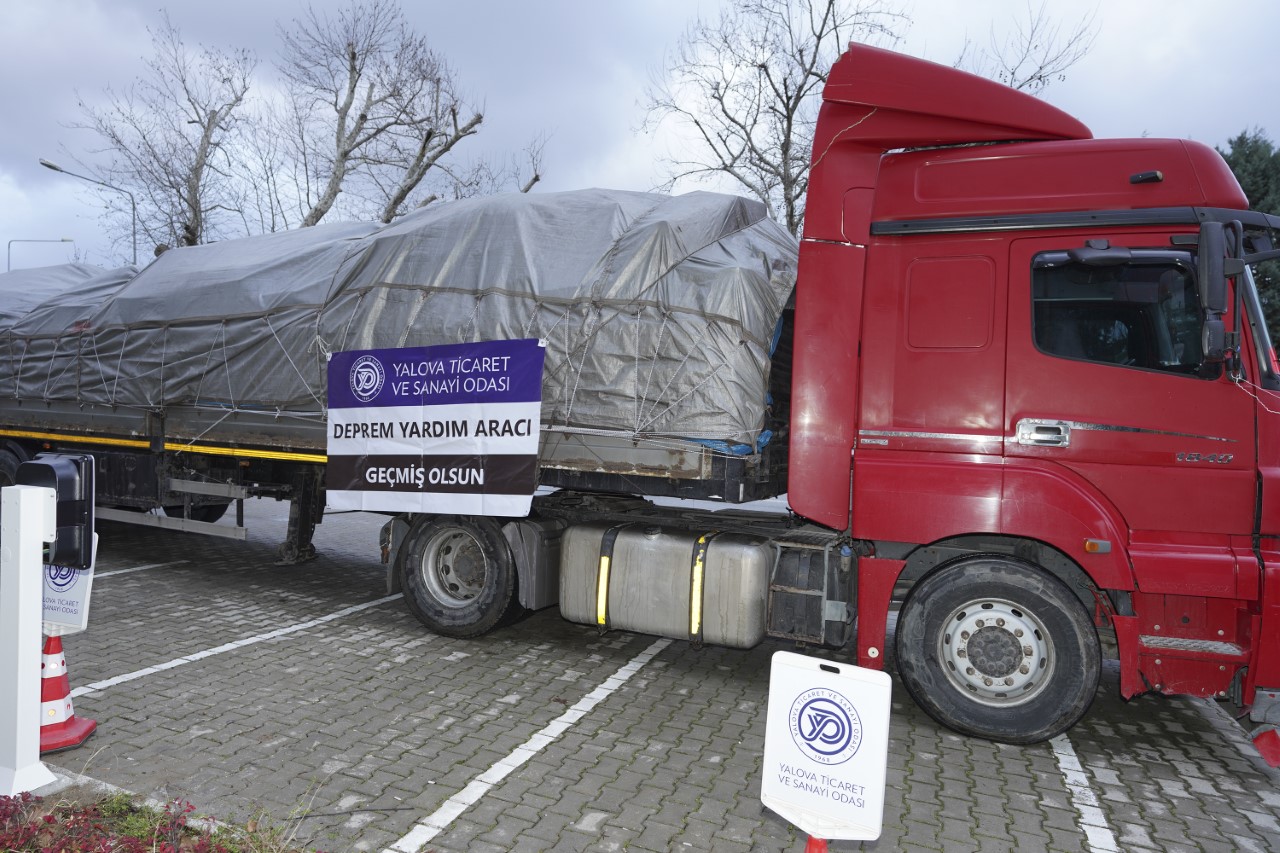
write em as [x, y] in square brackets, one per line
[208, 513]
[8, 468]
[459, 577]
[998, 648]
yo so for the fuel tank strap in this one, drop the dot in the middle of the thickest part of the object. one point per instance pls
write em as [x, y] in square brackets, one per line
[607, 542]
[697, 567]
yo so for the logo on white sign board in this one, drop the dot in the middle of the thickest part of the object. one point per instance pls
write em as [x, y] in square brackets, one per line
[60, 578]
[826, 726]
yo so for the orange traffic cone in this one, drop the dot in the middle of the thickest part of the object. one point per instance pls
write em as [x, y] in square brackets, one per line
[1267, 740]
[59, 727]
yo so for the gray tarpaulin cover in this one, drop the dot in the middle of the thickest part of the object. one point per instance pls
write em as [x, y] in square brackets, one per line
[21, 291]
[658, 311]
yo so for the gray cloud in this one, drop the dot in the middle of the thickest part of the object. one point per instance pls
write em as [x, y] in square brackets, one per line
[575, 70]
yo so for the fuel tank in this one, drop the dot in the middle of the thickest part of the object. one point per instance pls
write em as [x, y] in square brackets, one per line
[703, 586]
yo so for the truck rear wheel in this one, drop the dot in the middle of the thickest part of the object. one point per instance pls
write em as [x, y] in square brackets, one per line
[8, 468]
[998, 648]
[459, 577]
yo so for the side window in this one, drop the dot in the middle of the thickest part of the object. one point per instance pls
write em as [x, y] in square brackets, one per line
[1143, 314]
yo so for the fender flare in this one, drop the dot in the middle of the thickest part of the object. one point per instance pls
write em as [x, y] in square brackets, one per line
[1045, 501]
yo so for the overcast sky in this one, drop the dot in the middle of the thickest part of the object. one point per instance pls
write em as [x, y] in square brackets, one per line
[576, 70]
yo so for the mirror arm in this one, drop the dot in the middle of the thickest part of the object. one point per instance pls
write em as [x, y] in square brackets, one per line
[1233, 269]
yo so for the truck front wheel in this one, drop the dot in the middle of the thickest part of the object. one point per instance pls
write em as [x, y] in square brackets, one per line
[998, 648]
[459, 578]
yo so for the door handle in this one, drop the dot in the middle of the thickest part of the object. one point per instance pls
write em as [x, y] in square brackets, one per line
[1037, 432]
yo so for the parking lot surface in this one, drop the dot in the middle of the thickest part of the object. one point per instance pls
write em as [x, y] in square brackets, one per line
[306, 697]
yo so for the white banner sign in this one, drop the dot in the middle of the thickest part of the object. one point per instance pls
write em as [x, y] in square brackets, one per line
[443, 429]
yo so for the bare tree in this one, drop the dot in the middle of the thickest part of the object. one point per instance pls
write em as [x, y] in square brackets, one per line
[1033, 53]
[374, 108]
[520, 173]
[168, 139]
[267, 174]
[749, 85]
[368, 126]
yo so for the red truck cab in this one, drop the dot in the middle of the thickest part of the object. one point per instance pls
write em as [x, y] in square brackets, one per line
[1033, 382]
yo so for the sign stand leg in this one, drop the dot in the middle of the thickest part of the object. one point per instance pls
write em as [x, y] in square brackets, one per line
[27, 513]
[815, 845]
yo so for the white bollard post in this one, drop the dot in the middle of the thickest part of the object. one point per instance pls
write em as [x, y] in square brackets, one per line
[28, 518]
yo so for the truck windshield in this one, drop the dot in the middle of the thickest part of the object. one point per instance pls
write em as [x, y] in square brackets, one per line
[1265, 351]
[1261, 291]
[1144, 313]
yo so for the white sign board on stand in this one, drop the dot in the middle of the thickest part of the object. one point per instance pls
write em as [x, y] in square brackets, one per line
[826, 746]
[66, 596]
[28, 518]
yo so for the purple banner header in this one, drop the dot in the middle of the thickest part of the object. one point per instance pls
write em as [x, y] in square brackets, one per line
[449, 374]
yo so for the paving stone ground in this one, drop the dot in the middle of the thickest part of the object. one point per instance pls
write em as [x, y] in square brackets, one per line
[352, 729]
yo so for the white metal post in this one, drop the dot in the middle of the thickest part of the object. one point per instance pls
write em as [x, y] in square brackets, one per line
[28, 518]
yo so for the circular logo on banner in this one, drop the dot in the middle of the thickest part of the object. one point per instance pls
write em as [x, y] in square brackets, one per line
[61, 578]
[825, 726]
[367, 377]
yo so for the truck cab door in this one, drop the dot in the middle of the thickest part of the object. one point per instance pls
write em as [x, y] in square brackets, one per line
[1108, 394]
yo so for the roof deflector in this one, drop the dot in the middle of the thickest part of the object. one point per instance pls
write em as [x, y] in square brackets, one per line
[913, 103]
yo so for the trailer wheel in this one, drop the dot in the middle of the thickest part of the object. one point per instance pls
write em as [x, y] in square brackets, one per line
[459, 577]
[998, 648]
[8, 468]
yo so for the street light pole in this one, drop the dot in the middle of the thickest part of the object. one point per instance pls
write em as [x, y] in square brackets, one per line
[133, 205]
[9, 259]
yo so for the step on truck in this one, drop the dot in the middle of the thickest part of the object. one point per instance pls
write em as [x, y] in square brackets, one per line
[1017, 389]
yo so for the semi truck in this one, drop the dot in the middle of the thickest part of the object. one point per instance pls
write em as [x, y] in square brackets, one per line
[1015, 403]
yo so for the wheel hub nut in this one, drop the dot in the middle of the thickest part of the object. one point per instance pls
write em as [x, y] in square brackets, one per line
[995, 652]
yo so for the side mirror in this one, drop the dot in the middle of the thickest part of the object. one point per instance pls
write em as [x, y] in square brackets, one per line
[1217, 260]
[70, 475]
[1214, 341]
[1211, 252]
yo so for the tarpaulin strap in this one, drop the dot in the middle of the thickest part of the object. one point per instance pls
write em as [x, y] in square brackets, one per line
[471, 321]
[538, 307]
[284, 349]
[226, 365]
[74, 368]
[711, 374]
[17, 374]
[642, 395]
[97, 362]
[164, 362]
[697, 585]
[414, 313]
[208, 364]
[115, 382]
[351, 319]
[226, 413]
[527, 331]
[587, 337]
[80, 358]
[607, 542]
[48, 376]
